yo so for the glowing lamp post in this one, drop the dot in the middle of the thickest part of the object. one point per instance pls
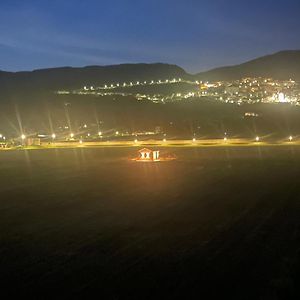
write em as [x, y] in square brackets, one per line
[23, 138]
[257, 139]
[290, 138]
[53, 136]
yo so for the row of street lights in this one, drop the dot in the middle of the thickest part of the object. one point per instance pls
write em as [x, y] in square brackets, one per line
[53, 136]
[225, 139]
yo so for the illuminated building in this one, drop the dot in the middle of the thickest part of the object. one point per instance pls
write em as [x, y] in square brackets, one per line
[148, 155]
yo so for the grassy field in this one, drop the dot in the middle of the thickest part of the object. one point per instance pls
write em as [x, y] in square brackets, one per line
[219, 221]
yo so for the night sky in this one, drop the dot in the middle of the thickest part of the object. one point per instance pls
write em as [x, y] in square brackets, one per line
[194, 34]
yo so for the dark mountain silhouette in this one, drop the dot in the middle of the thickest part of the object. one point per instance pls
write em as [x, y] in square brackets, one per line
[281, 65]
[67, 77]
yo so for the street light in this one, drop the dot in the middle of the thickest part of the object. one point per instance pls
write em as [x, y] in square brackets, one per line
[99, 133]
[257, 139]
[194, 140]
[23, 136]
[290, 138]
[72, 135]
[53, 136]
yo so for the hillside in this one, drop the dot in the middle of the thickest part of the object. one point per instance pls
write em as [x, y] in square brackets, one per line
[67, 77]
[281, 65]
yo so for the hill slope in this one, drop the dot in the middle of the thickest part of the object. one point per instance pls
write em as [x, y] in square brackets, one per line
[281, 65]
[67, 77]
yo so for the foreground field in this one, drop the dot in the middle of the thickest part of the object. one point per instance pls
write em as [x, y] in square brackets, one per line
[218, 221]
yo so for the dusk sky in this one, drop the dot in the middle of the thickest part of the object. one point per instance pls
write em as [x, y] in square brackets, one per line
[195, 34]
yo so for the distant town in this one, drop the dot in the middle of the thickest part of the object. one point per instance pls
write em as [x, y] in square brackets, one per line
[237, 92]
[243, 91]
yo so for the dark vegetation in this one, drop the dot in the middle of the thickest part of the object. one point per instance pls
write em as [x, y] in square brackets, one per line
[201, 116]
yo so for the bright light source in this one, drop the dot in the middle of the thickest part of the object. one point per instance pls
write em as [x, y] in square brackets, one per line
[23, 136]
[80, 141]
[257, 139]
[135, 140]
[117, 132]
[72, 135]
[164, 140]
[290, 138]
[99, 133]
[194, 140]
[225, 139]
[1, 136]
[281, 97]
[53, 135]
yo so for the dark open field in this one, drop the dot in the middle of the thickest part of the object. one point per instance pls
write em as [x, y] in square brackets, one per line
[217, 222]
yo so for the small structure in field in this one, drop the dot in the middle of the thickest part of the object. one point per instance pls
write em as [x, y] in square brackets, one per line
[3, 145]
[148, 155]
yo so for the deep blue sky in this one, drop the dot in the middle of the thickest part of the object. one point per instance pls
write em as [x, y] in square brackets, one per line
[194, 34]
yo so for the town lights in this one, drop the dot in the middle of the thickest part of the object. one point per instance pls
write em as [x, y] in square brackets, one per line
[23, 136]
[71, 135]
[164, 140]
[1, 136]
[53, 136]
[135, 140]
[225, 139]
[99, 133]
[290, 138]
[257, 139]
[80, 141]
[194, 140]
[117, 132]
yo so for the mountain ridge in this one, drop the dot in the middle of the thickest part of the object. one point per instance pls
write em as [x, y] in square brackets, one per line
[281, 65]
[76, 77]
